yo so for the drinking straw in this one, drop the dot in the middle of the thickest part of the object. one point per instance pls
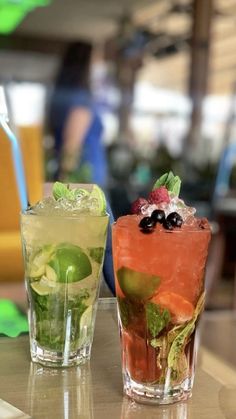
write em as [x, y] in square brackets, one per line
[16, 152]
[108, 271]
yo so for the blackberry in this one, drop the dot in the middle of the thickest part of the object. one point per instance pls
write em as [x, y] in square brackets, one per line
[175, 219]
[167, 225]
[147, 224]
[158, 216]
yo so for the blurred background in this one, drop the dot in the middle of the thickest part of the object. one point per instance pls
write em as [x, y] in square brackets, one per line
[161, 82]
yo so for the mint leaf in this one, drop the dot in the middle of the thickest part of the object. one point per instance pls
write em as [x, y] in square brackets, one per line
[157, 343]
[171, 182]
[169, 177]
[51, 318]
[178, 345]
[124, 311]
[174, 332]
[60, 190]
[96, 253]
[173, 185]
[162, 180]
[157, 319]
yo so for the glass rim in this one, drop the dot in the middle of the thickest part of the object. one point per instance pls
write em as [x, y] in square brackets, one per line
[63, 217]
[176, 230]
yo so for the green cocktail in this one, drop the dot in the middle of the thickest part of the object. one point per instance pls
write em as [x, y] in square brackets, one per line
[64, 241]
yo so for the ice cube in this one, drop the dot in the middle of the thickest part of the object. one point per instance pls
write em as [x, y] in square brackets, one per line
[191, 221]
[64, 207]
[175, 205]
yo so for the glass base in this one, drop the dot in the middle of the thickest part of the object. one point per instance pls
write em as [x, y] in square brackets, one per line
[50, 358]
[157, 394]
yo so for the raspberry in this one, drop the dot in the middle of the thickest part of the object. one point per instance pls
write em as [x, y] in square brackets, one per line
[137, 205]
[159, 195]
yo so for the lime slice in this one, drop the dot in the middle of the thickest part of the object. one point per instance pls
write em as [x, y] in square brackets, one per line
[70, 263]
[85, 326]
[38, 262]
[36, 271]
[50, 273]
[98, 194]
[137, 285]
[86, 318]
[43, 287]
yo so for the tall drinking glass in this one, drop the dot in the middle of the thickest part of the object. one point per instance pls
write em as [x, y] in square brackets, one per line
[160, 292]
[63, 246]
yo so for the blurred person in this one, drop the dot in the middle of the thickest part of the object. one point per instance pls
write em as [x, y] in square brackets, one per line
[75, 122]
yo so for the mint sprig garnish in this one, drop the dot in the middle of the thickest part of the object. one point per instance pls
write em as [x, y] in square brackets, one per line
[181, 339]
[170, 181]
[157, 319]
[61, 190]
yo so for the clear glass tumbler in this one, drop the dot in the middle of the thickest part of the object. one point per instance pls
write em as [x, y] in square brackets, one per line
[63, 258]
[160, 295]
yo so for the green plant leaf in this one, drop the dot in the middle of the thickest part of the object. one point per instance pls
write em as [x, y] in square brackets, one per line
[157, 343]
[96, 253]
[124, 310]
[171, 182]
[51, 317]
[174, 185]
[162, 180]
[60, 190]
[157, 319]
[182, 337]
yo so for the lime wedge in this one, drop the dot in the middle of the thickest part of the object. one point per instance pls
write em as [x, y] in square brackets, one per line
[137, 285]
[50, 273]
[85, 326]
[43, 287]
[70, 263]
[86, 318]
[38, 262]
[36, 271]
[98, 194]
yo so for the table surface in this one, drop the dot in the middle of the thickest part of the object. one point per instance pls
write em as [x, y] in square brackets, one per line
[95, 391]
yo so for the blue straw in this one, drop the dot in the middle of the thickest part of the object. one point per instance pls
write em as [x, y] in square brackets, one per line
[18, 164]
[108, 270]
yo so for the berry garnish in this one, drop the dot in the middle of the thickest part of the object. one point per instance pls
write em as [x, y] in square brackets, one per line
[159, 195]
[175, 219]
[147, 224]
[158, 216]
[167, 225]
[137, 205]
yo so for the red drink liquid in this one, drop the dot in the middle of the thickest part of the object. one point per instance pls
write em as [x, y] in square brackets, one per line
[160, 292]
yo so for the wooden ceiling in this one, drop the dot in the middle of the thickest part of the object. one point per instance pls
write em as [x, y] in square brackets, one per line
[222, 63]
[91, 19]
[169, 20]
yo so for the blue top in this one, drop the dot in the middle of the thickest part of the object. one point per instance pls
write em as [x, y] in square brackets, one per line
[92, 152]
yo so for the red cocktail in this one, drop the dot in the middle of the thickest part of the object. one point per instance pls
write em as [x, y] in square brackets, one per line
[160, 290]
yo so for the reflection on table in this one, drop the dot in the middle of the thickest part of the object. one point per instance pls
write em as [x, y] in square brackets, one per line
[94, 391]
[68, 389]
